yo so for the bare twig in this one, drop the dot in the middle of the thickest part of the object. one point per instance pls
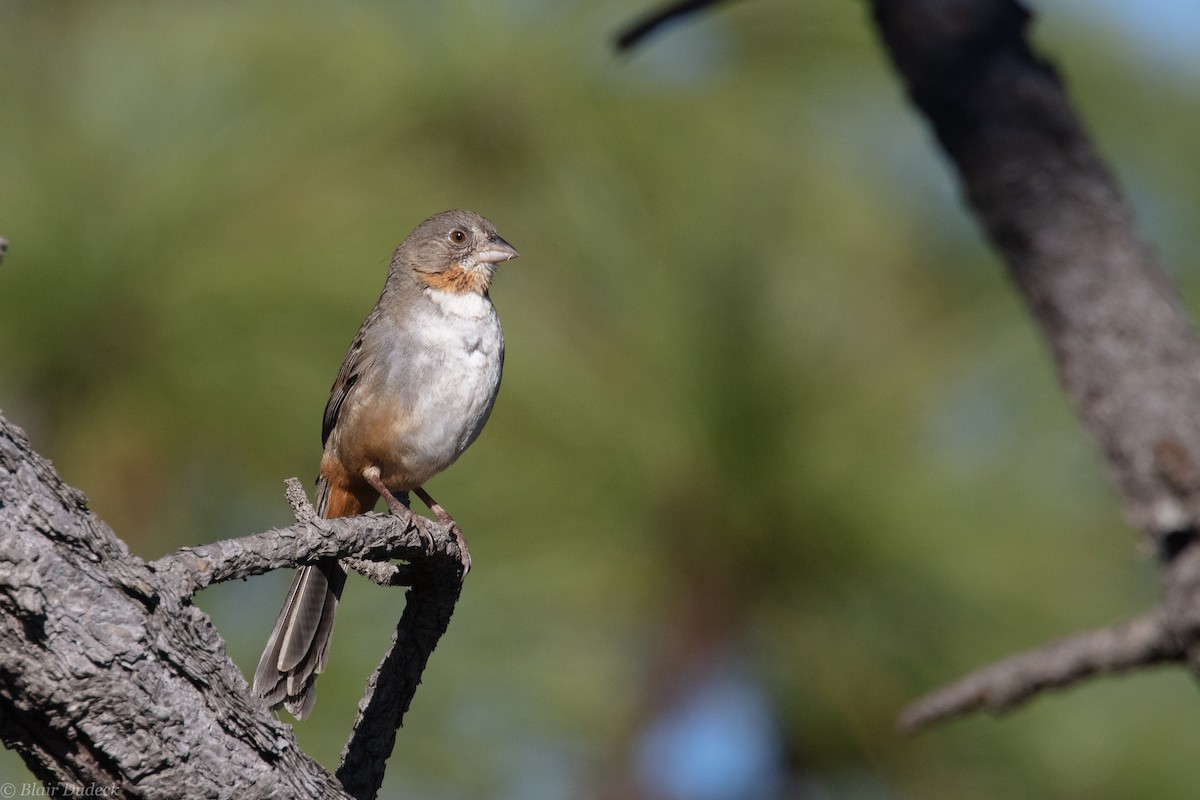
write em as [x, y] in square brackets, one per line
[370, 536]
[636, 32]
[1006, 684]
[366, 542]
[298, 499]
[381, 572]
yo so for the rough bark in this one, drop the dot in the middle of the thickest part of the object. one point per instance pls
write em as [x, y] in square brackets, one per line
[112, 681]
[390, 690]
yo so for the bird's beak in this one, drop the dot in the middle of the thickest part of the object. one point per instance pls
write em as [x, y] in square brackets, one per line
[497, 250]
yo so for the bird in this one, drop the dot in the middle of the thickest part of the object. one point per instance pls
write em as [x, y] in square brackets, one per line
[414, 391]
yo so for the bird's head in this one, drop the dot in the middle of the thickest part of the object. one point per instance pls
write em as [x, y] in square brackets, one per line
[455, 251]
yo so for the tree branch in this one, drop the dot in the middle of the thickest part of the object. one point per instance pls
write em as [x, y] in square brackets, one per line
[372, 537]
[638, 31]
[1142, 642]
[427, 609]
[92, 637]
[1124, 346]
[1125, 350]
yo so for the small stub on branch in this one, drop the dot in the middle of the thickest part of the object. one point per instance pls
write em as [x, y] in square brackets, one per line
[3, 248]
[298, 499]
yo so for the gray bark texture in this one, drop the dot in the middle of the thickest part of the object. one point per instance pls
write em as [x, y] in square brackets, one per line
[112, 682]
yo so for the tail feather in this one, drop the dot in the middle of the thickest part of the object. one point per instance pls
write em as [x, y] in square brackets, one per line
[297, 649]
[309, 608]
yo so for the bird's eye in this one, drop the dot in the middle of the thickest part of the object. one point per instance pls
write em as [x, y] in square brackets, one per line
[458, 236]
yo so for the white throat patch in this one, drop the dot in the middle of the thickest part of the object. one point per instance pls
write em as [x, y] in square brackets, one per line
[471, 305]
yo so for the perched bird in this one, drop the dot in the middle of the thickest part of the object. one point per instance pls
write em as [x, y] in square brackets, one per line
[413, 392]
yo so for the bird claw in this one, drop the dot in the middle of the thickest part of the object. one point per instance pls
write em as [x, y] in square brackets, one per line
[447, 521]
[464, 554]
[426, 537]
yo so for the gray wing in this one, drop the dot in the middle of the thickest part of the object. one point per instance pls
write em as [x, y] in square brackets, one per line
[352, 366]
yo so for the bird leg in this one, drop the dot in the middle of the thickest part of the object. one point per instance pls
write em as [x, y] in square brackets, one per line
[445, 519]
[442, 515]
[394, 504]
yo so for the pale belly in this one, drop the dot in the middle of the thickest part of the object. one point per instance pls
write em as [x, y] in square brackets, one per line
[444, 394]
[428, 392]
[442, 423]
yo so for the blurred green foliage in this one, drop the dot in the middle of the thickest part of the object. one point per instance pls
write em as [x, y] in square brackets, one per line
[754, 342]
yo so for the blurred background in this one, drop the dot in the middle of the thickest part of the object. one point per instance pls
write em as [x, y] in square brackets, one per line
[777, 449]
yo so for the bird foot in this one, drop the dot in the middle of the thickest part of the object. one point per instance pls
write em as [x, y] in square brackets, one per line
[396, 505]
[444, 518]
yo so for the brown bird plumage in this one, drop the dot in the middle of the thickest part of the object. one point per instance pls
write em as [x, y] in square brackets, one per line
[413, 392]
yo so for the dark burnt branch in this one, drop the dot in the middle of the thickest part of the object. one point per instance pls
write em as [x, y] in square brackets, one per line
[637, 32]
[436, 584]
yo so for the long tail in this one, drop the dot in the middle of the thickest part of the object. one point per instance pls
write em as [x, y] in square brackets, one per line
[298, 647]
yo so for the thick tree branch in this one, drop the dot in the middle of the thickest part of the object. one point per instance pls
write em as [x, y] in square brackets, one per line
[90, 640]
[1126, 352]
